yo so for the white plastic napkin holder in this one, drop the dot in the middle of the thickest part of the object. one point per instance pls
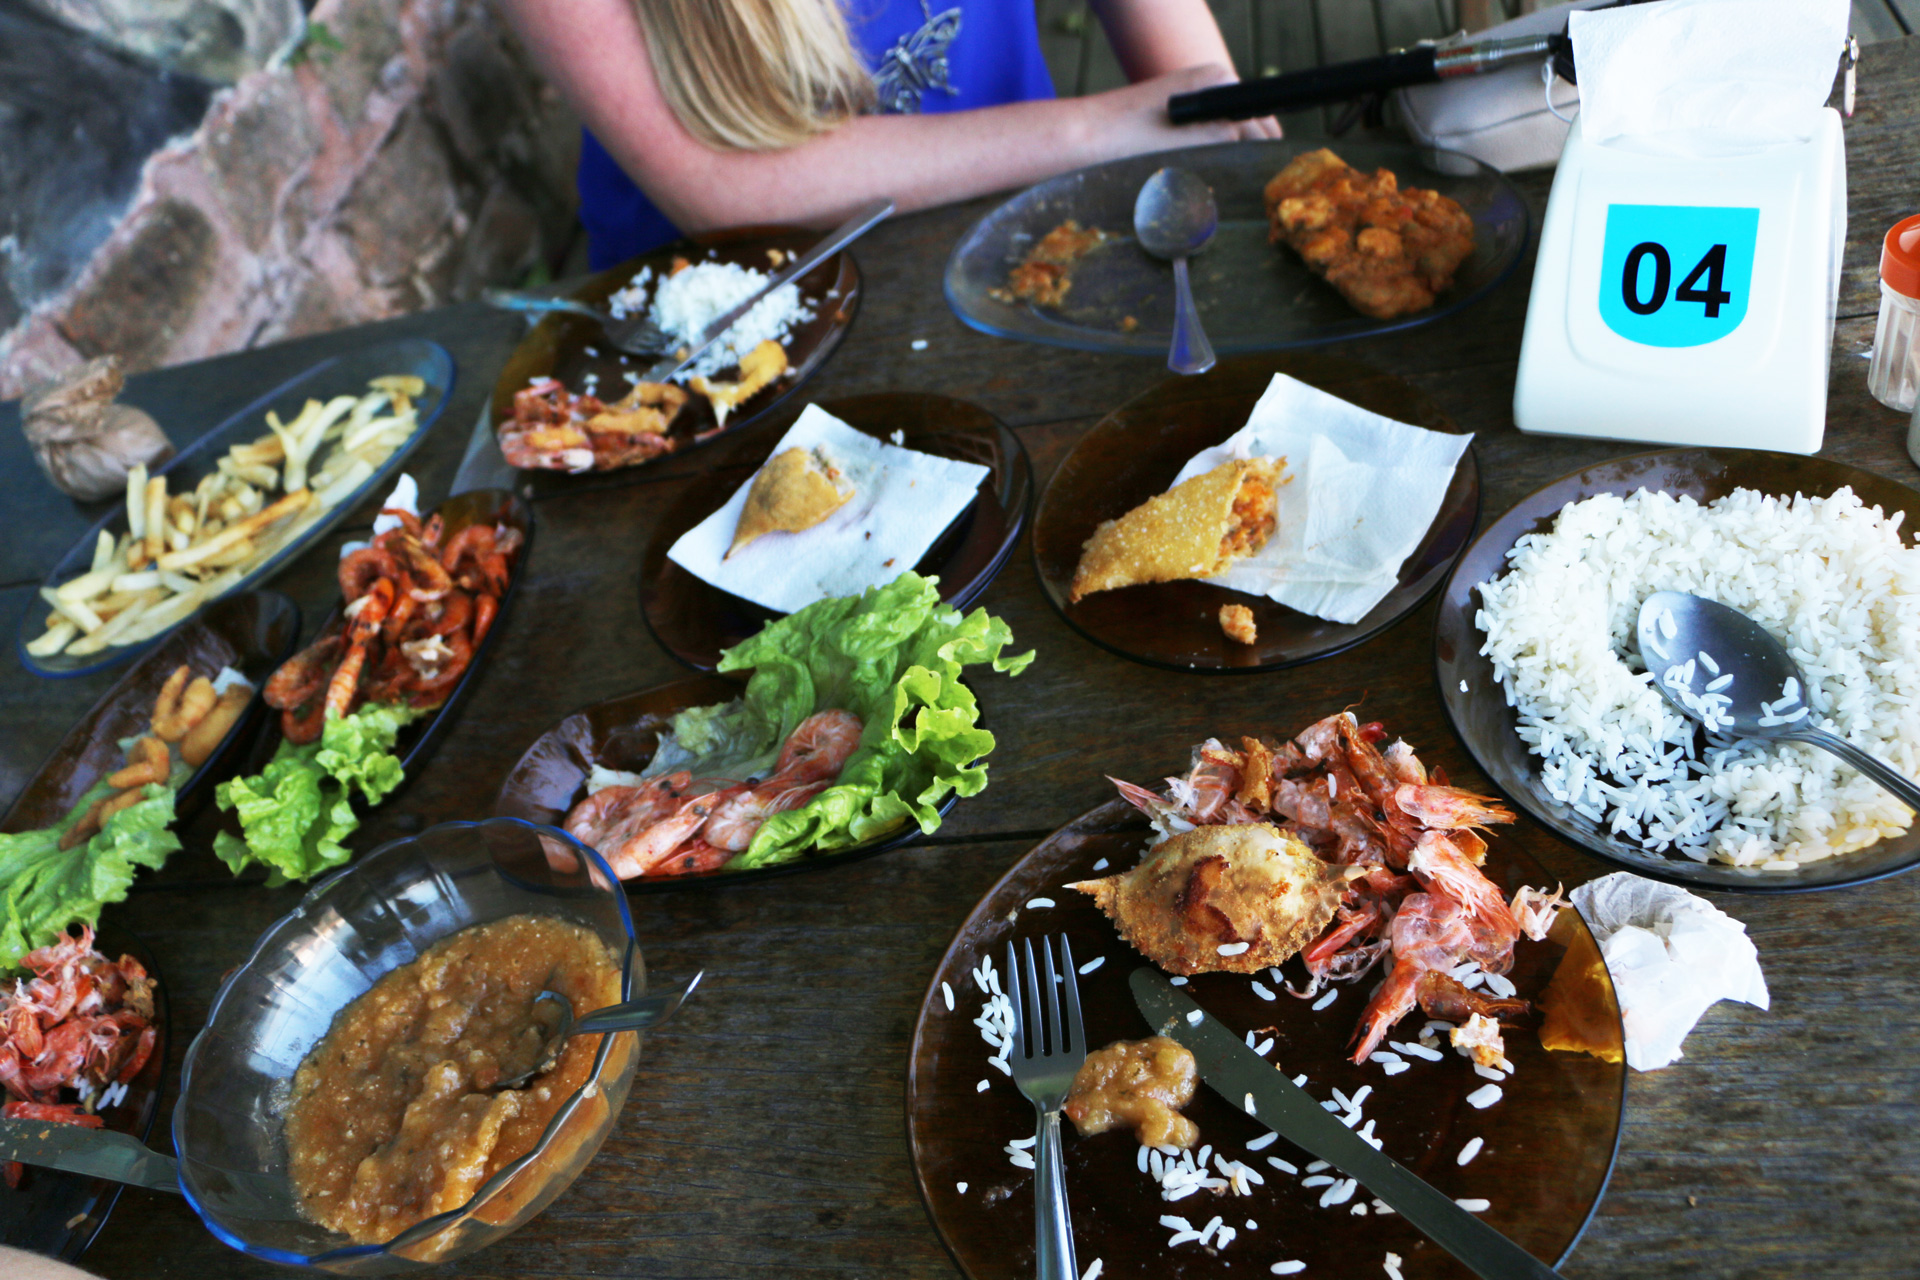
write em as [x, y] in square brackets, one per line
[1625, 358]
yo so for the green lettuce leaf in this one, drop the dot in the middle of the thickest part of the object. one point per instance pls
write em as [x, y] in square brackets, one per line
[893, 656]
[296, 814]
[44, 888]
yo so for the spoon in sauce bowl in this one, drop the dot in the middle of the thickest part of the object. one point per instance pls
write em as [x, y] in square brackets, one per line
[1731, 674]
[633, 1015]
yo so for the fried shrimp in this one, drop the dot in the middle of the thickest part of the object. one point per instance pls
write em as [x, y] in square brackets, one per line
[182, 702]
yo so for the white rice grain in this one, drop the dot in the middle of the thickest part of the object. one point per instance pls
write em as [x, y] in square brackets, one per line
[1485, 1096]
[1468, 1152]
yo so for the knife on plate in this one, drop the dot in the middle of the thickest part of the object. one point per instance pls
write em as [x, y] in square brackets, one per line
[96, 1153]
[1238, 1073]
[839, 238]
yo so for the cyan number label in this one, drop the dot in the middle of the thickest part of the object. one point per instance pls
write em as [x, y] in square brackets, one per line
[1676, 275]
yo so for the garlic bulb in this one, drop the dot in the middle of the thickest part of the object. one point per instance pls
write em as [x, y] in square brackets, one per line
[83, 440]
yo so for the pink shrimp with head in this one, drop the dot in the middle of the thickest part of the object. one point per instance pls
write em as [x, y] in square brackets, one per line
[1448, 808]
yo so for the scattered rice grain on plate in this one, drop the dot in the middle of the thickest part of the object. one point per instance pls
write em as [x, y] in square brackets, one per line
[1233, 948]
[1177, 981]
[1100, 865]
[961, 1187]
[1393, 1267]
[1483, 1097]
[1832, 577]
[1092, 964]
[1468, 1152]
[1291, 1267]
[946, 990]
[1472, 1205]
[1327, 999]
[1035, 904]
[1093, 1268]
[1284, 1166]
[1262, 990]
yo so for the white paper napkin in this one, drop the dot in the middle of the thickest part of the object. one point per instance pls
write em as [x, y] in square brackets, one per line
[1363, 490]
[903, 501]
[1706, 77]
[1672, 954]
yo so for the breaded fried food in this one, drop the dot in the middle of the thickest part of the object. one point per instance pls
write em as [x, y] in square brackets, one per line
[647, 410]
[1220, 886]
[758, 370]
[1389, 252]
[796, 490]
[1191, 531]
[1045, 274]
[1236, 623]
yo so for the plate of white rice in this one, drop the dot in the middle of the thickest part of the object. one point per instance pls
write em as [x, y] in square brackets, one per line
[683, 287]
[1537, 666]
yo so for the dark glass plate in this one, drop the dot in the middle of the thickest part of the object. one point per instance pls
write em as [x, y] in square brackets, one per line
[622, 733]
[415, 740]
[59, 1214]
[1486, 724]
[1252, 295]
[251, 631]
[557, 346]
[1135, 452]
[1550, 1141]
[342, 375]
[694, 620]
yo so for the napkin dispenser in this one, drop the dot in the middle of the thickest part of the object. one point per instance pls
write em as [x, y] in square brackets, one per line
[1687, 300]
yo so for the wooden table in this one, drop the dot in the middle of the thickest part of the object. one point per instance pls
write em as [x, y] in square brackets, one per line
[765, 1130]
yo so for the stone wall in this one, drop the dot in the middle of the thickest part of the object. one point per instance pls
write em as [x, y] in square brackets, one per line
[407, 157]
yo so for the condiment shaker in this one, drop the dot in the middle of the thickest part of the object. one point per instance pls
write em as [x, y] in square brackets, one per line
[1894, 375]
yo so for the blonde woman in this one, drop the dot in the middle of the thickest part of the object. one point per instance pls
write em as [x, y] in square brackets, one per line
[708, 113]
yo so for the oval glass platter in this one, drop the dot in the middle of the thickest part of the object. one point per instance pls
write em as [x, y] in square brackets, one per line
[1135, 452]
[622, 733]
[342, 375]
[1477, 705]
[1251, 295]
[251, 631]
[59, 1214]
[417, 738]
[574, 348]
[1549, 1141]
[694, 620]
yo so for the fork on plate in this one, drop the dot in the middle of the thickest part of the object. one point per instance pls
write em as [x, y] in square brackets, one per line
[1048, 1048]
[636, 335]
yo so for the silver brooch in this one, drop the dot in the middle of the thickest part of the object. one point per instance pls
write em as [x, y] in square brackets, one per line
[917, 63]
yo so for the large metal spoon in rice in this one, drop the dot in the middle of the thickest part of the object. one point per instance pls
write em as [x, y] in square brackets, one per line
[1728, 672]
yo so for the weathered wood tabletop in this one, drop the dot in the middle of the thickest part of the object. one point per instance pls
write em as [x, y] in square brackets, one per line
[765, 1131]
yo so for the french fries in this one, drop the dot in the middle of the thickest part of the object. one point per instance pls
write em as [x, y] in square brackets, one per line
[184, 549]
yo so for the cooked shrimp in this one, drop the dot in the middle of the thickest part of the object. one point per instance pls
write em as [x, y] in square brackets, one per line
[737, 819]
[368, 612]
[359, 570]
[182, 702]
[1448, 807]
[818, 748]
[212, 728]
[607, 809]
[149, 761]
[1430, 931]
[304, 674]
[1440, 865]
[648, 850]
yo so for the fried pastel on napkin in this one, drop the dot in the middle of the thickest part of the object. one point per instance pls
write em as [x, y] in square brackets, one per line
[1190, 531]
[1387, 251]
[1217, 886]
[796, 490]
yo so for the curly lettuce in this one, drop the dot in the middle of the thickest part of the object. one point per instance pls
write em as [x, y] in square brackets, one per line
[296, 814]
[893, 656]
[44, 888]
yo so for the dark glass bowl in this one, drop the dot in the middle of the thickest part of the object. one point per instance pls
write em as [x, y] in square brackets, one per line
[1478, 708]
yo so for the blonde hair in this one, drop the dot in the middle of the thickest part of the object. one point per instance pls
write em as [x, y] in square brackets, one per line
[755, 75]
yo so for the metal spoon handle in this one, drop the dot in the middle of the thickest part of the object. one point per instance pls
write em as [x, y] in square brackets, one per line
[1191, 352]
[536, 305]
[636, 1015]
[1902, 787]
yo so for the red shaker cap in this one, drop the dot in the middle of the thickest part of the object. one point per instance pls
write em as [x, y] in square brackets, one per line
[1900, 257]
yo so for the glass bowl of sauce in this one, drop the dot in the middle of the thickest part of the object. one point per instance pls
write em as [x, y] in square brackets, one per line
[340, 1109]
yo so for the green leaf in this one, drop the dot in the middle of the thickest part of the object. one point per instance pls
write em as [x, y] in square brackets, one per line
[296, 814]
[44, 888]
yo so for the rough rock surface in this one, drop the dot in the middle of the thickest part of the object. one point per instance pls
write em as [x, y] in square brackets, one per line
[417, 162]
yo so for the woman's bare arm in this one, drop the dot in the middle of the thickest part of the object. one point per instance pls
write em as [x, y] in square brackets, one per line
[595, 52]
[1153, 37]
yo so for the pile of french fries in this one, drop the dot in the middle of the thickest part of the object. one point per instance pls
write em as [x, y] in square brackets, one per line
[184, 550]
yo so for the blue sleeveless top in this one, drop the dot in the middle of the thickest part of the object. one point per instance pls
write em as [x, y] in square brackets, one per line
[971, 53]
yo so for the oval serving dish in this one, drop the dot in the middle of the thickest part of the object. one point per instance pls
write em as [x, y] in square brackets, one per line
[342, 375]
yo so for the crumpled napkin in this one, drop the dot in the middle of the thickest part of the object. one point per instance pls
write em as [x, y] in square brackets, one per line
[1361, 492]
[903, 501]
[1672, 954]
[1706, 77]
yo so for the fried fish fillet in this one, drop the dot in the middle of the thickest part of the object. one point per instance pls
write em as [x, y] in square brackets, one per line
[1221, 886]
[1387, 251]
[759, 368]
[796, 490]
[1190, 531]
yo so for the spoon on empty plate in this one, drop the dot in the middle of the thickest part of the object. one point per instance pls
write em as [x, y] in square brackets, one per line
[634, 1015]
[1173, 218]
[1728, 672]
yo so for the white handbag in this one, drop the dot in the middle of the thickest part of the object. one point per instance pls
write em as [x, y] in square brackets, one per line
[1502, 118]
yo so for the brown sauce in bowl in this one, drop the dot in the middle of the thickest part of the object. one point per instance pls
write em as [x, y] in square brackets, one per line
[394, 1115]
